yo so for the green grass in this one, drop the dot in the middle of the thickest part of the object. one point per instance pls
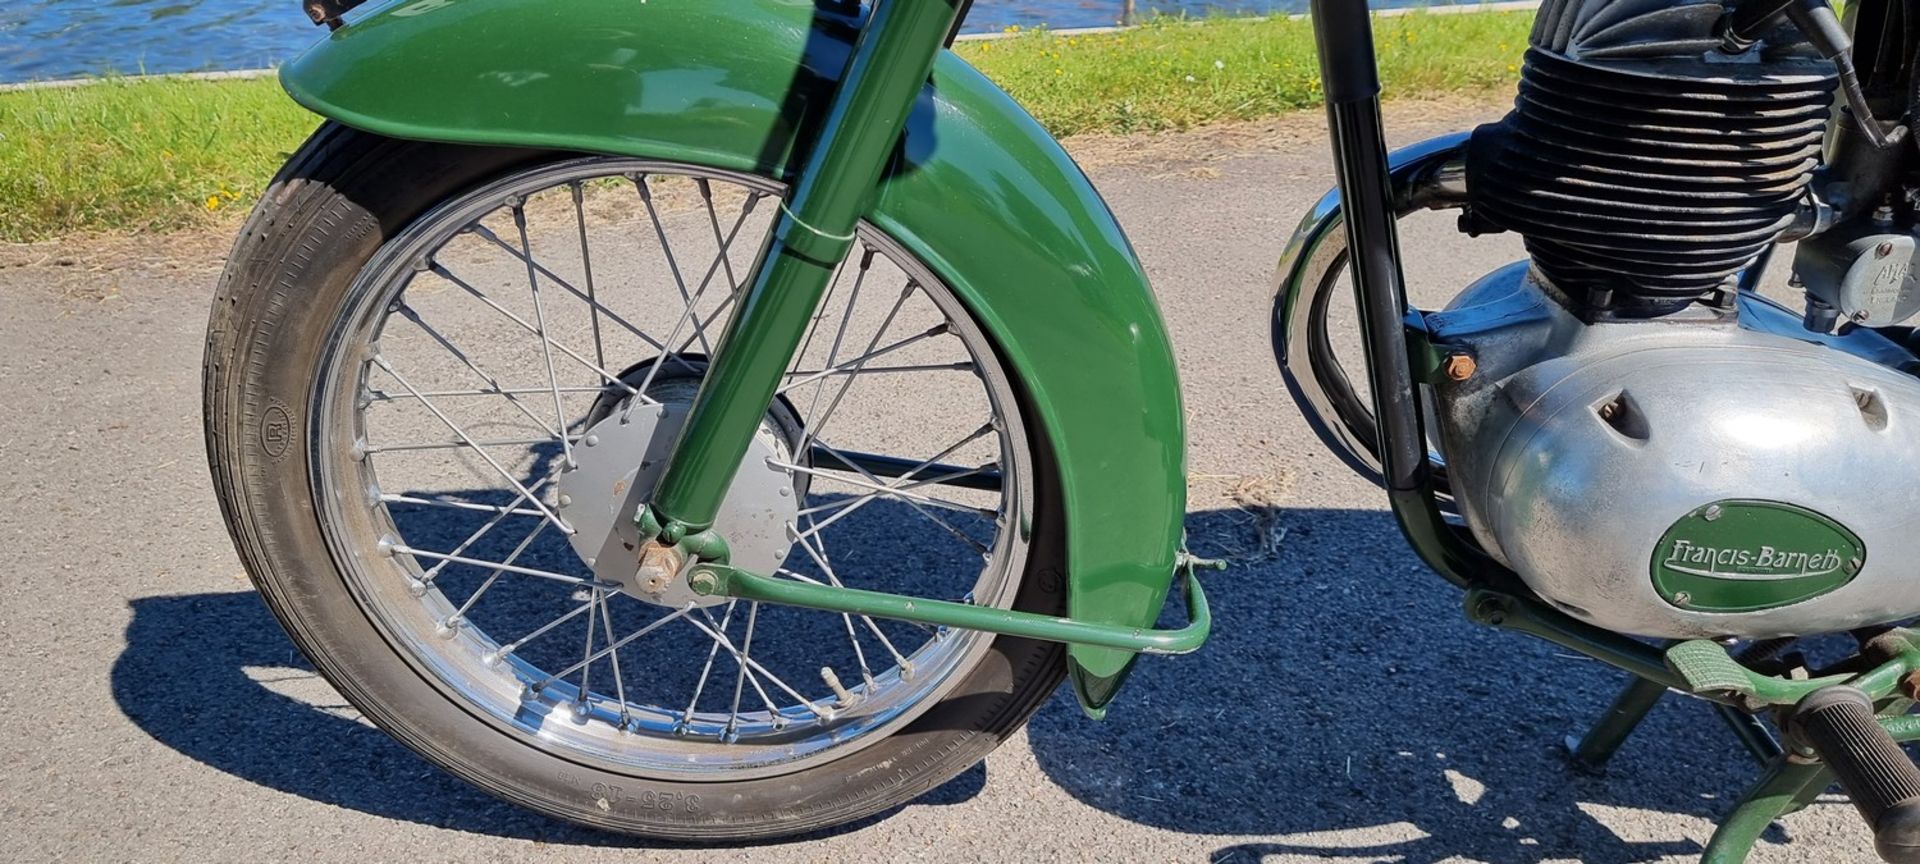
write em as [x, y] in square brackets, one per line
[1173, 74]
[150, 154]
[161, 154]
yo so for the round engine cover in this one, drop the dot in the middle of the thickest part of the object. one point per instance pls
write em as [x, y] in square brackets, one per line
[1686, 479]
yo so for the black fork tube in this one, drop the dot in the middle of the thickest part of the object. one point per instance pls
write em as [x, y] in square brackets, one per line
[1347, 70]
[1344, 34]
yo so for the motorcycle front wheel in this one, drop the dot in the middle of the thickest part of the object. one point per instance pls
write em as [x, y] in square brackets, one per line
[438, 379]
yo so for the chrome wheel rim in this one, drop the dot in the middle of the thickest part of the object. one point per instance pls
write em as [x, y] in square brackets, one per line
[657, 691]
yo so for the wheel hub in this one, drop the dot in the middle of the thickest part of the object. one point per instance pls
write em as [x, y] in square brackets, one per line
[618, 463]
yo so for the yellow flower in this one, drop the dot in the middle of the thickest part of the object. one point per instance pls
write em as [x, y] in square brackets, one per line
[213, 202]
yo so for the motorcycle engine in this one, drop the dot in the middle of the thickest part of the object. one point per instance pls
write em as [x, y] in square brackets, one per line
[1650, 449]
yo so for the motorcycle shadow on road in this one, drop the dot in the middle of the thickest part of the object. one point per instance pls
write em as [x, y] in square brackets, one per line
[1346, 705]
[1344, 708]
[215, 677]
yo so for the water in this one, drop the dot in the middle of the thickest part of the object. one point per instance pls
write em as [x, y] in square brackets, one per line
[42, 39]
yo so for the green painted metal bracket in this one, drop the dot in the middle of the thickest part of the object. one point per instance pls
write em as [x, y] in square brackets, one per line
[1706, 669]
[721, 580]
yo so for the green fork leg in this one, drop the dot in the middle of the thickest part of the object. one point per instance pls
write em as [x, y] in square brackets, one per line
[814, 230]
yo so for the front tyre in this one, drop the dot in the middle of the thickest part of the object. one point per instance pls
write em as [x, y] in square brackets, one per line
[438, 380]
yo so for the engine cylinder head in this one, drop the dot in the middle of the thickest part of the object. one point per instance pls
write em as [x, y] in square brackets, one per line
[1642, 166]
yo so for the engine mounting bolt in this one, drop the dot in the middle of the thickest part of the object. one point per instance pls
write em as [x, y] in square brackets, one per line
[1859, 315]
[1713, 512]
[1910, 685]
[1459, 367]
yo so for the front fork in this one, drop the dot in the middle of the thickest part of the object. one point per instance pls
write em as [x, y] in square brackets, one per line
[830, 191]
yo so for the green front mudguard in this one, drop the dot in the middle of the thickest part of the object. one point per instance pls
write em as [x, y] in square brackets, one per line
[979, 192]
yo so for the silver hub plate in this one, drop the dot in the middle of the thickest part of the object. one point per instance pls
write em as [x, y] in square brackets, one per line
[617, 465]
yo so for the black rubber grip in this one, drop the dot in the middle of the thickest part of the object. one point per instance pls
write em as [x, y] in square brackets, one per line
[1838, 723]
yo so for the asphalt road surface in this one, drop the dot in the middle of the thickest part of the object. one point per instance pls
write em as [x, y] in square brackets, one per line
[152, 710]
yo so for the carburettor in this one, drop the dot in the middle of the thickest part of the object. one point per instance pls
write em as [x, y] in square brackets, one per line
[1860, 273]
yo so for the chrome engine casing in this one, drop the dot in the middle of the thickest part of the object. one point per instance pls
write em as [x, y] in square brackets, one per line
[1713, 408]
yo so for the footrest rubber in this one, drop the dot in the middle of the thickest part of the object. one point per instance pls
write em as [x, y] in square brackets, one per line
[1706, 667]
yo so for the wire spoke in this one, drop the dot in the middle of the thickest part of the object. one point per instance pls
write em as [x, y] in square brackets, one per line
[410, 314]
[499, 517]
[624, 640]
[619, 679]
[817, 423]
[593, 304]
[462, 433]
[713, 651]
[391, 498]
[910, 501]
[723, 244]
[673, 264]
[586, 661]
[956, 366]
[761, 692]
[838, 476]
[441, 271]
[740, 680]
[543, 630]
[455, 445]
[855, 366]
[494, 576]
[820, 559]
[385, 396]
[401, 548]
[701, 325]
[693, 299]
[586, 267]
[546, 344]
[745, 661]
[901, 481]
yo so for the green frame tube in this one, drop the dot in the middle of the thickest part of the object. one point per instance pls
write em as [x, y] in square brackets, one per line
[831, 190]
